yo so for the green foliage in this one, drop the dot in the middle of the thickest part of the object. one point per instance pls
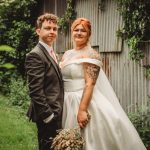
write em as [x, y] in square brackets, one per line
[136, 27]
[136, 24]
[136, 53]
[16, 8]
[5, 80]
[136, 18]
[20, 37]
[5, 48]
[147, 67]
[69, 15]
[19, 95]
[7, 66]
[17, 20]
[141, 121]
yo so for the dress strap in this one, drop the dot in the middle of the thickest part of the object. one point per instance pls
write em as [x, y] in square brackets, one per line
[83, 60]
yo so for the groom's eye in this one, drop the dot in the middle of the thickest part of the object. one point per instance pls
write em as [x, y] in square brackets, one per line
[47, 28]
[55, 29]
[51, 28]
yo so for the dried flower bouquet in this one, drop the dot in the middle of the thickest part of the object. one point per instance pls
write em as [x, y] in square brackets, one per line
[69, 139]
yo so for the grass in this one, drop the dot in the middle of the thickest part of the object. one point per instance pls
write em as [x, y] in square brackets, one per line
[16, 132]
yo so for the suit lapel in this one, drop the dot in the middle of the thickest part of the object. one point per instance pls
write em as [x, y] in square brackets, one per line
[51, 59]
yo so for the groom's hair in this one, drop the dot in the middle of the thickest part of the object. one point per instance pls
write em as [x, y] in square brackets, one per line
[48, 17]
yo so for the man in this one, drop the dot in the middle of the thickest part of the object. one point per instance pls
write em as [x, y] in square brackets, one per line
[45, 82]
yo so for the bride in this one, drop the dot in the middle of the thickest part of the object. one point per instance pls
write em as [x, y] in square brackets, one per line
[88, 91]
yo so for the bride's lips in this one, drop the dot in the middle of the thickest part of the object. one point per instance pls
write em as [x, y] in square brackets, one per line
[79, 37]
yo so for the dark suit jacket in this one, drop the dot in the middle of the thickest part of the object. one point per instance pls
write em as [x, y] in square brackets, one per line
[45, 85]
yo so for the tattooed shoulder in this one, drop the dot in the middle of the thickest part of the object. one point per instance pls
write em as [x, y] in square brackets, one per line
[94, 55]
[92, 71]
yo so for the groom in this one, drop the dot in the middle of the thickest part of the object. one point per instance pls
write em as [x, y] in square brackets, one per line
[45, 82]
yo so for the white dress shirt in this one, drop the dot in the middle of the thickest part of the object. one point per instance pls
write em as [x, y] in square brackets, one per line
[48, 48]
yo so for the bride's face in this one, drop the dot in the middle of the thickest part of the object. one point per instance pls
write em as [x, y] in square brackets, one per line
[80, 35]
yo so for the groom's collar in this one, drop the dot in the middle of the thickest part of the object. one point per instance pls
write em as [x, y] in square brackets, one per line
[47, 47]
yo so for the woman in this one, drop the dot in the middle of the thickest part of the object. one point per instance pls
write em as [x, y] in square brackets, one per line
[87, 91]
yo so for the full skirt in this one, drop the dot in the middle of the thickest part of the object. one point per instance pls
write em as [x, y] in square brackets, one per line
[108, 129]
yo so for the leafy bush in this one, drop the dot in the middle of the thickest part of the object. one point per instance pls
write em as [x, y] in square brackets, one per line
[141, 121]
[4, 67]
[19, 93]
[17, 29]
[5, 81]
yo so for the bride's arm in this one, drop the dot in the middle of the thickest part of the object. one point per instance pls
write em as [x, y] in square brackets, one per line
[91, 72]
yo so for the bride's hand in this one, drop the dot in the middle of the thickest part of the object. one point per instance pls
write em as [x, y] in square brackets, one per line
[82, 118]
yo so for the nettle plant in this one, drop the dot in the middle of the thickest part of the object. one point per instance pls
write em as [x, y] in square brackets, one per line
[136, 29]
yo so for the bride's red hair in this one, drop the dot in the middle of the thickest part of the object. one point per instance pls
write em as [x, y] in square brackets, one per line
[84, 22]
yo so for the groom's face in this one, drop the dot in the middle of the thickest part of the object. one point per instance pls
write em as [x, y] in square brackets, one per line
[48, 32]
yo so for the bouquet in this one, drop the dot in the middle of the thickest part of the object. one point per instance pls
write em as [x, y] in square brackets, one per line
[69, 139]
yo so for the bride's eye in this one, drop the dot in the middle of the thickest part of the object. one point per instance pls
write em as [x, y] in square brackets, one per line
[80, 30]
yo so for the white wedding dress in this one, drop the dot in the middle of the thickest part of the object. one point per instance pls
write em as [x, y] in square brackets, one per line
[109, 127]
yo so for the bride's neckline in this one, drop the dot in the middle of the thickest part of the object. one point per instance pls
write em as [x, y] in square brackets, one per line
[85, 48]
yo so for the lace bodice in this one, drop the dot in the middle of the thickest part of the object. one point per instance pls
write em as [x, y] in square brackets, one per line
[73, 77]
[72, 67]
[73, 72]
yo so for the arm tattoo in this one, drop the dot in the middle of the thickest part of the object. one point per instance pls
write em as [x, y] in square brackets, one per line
[92, 71]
